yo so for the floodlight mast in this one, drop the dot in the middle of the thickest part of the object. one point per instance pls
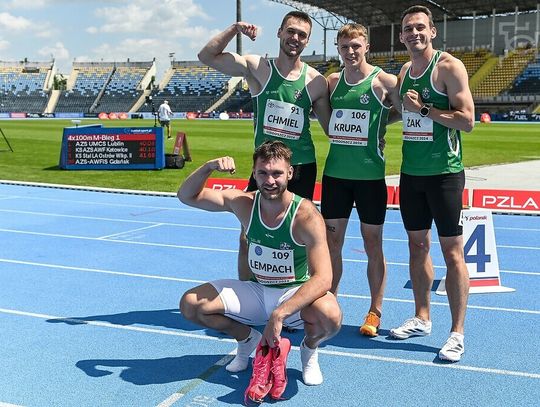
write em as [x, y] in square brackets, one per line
[238, 19]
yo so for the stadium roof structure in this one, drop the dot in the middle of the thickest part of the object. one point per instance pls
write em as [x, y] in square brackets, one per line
[386, 12]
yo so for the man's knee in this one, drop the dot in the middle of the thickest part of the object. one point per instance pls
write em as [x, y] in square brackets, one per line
[188, 305]
[198, 300]
[325, 314]
[332, 322]
[373, 245]
[452, 248]
[419, 247]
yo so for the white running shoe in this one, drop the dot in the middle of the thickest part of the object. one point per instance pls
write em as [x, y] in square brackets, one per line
[245, 349]
[411, 327]
[311, 372]
[453, 348]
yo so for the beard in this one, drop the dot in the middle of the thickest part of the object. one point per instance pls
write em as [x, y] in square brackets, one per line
[290, 52]
[274, 194]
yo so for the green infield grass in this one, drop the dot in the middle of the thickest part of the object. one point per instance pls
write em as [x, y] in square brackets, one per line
[37, 143]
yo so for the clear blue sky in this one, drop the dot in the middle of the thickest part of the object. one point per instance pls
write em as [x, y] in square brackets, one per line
[114, 30]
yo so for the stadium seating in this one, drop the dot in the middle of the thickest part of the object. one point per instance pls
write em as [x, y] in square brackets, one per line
[529, 80]
[390, 64]
[472, 60]
[123, 89]
[193, 87]
[90, 80]
[240, 100]
[95, 87]
[504, 73]
[23, 87]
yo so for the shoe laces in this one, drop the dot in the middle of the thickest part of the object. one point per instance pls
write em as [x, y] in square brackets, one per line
[278, 367]
[260, 378]
[411, 322]
[372, 319]
[260, 371]
[452, 344]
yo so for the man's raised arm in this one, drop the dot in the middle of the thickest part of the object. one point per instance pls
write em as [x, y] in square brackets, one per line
[227, 62]
[193, 193]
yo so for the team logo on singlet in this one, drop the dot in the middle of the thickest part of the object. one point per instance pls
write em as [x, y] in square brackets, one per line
[297, 94]
[258, 250]
[339, 114]
[364, 99]
[426, 94]
[284, 246]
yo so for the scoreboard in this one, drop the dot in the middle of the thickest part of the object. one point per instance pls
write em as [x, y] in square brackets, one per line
[94, 147]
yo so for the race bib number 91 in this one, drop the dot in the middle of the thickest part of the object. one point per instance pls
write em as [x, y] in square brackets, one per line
[282, 119]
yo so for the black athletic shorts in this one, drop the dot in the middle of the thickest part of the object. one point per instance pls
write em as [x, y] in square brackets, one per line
[423, 199]
[369, 196]
[302, 182]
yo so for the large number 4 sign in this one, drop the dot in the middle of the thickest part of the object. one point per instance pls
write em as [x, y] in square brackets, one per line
[481, 258]
[480, 253]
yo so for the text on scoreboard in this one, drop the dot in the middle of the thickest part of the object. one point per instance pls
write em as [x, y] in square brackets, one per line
[96, 147]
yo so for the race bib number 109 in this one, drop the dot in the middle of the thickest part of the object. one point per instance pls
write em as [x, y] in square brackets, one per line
[271, 266]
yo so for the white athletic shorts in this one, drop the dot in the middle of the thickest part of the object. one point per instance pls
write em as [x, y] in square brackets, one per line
[252, 303]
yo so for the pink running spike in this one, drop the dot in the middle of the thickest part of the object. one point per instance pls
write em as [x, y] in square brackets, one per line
[279, 368]
[261, 378]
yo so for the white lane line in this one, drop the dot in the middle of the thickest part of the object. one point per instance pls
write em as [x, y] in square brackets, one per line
[127, 232]
[180, 207]
[100, 271]
[119, 241]
[517, 247]
[399, 264]
[186, 225]
[201, 379]
[209, 227]
[501, 372]
[386, 239]
[517, 229]
[212, 249]
[2, 404]
[444, 304]
[477, 369]
[349, 237]
[187, 280]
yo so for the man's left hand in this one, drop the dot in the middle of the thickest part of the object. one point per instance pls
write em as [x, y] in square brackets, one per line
[412, 101]
[272, 332]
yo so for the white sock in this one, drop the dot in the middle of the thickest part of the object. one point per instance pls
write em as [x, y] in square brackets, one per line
[244, 350]
[458, 336]
[311, 372]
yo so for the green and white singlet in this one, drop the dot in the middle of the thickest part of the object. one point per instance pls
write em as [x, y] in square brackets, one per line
[429, 148]
[281, 112]
[274, 257]
[357, 123]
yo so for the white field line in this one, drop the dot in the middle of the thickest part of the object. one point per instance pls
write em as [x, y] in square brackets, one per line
[404, 361]
[127, 232]
[193, 281]
[197, 210]
[211, 248]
